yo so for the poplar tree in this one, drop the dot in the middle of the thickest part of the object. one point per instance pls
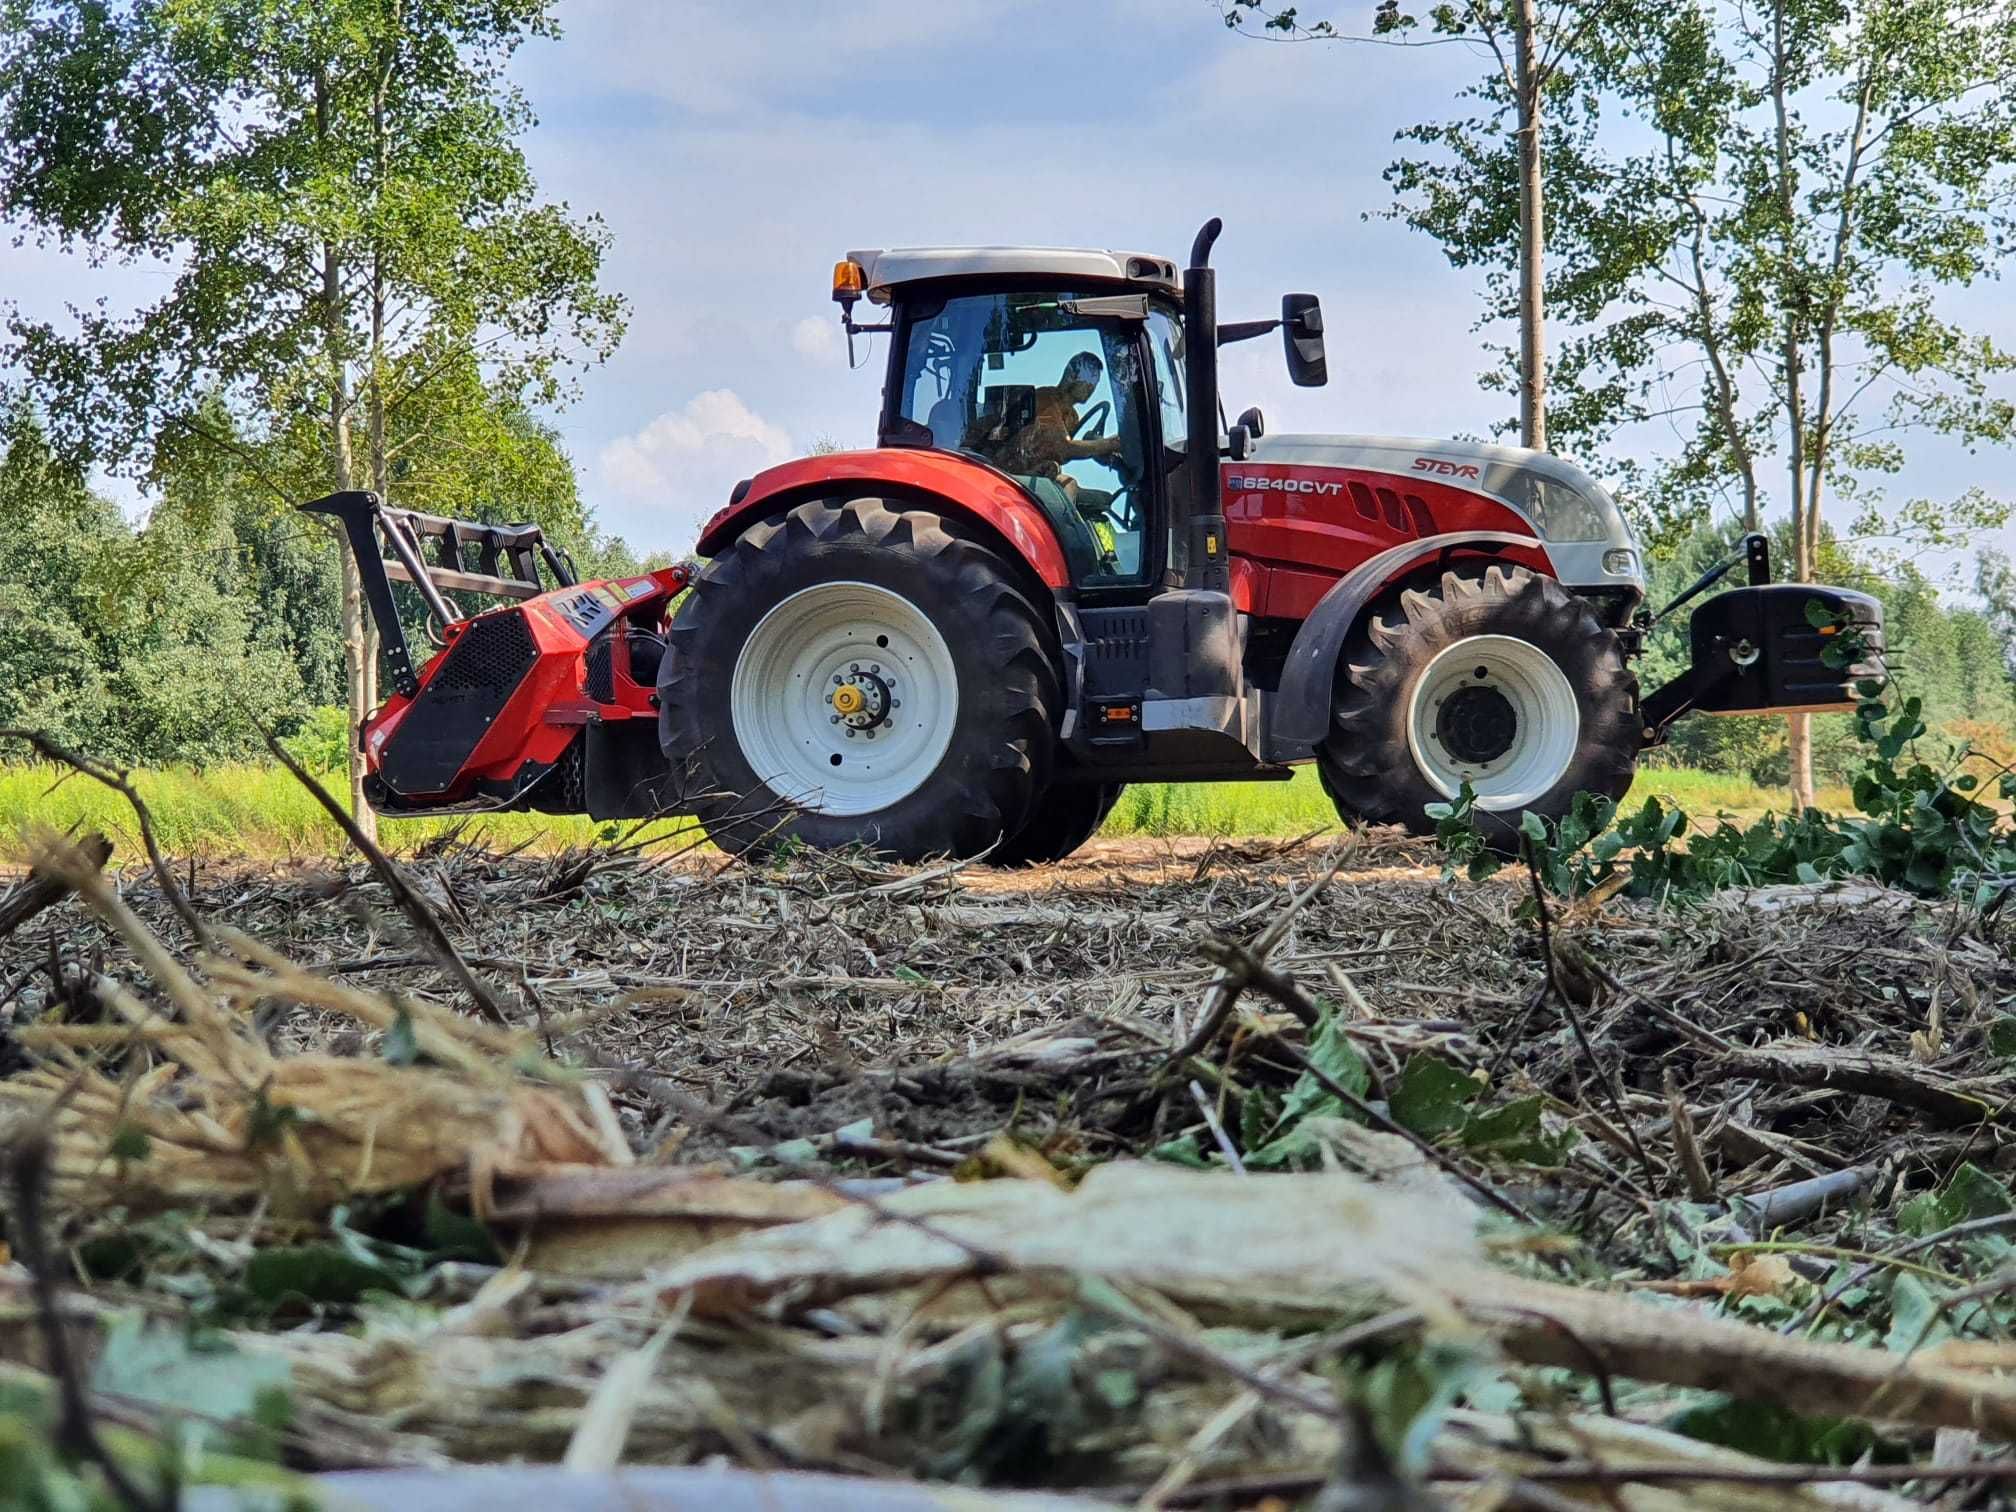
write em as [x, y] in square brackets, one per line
[336, 191]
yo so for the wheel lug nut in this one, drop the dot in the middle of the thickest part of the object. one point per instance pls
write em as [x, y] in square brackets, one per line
[874, 668]
[836, 679]
[855, 667]
[833, 719]
[850, 732]
[869, 733]
[895, 703]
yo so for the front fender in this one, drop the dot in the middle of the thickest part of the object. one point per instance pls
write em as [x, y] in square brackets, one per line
[959, 484]
[1298, 715]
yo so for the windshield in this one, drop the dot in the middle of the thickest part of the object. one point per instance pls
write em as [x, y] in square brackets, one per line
[1052, 396]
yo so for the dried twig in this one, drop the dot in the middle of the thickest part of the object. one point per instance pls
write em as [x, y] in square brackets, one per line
[76, 1432]
[403, 892]
[1605, 1076]
[115, 779]
[1700, 1185]
[39, 891]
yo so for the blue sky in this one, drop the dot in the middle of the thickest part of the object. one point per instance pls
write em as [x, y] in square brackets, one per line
[736, 158]
[736, 150]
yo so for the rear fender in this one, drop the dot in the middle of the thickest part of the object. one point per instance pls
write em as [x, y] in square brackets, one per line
[952, 485]
[1298, 715]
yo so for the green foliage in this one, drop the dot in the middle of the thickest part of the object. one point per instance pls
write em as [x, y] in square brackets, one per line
[55, 538]
[321, 740]
[1922, 827]
[1972, 1193]
[306, 167]
[177, 1371]
[1772, 1432]
[132, 645]
[1435, 1099]
[364, 286]
[36, 1478]
[1432, 1099]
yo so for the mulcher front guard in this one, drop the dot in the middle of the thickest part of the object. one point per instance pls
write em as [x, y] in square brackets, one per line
[546, 702]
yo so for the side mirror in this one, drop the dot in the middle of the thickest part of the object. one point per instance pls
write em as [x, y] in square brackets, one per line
[1302, 335]
[1238, 443]
[1254, 422]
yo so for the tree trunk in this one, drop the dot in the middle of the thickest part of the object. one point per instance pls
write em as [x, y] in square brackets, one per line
[381, 471]
[1532, 235]
[360, 651]
[360, 641]
[1793, 316]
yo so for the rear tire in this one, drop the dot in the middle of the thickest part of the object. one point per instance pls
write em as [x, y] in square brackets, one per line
[1504, 679]
[1066, 817]
[951, 731]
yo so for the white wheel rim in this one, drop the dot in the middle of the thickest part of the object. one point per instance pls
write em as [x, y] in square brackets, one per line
[1450, 740]
[801, 654]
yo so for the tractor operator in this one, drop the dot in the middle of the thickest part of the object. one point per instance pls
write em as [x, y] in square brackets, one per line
[1046, 443]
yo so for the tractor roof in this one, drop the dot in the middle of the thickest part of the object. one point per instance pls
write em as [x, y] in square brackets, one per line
[887, 269]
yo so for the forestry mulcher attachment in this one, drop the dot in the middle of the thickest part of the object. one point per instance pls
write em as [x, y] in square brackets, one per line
[1061, 572]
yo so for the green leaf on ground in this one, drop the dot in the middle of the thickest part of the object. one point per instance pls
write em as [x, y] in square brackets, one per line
[1433, 1097]
[1516, 1131]
[1332, 1053]
[166, 1369]
[1772, 1432]
[318, 1273]
[1972, 1193]
[1914, 1316]
[1183, 1151]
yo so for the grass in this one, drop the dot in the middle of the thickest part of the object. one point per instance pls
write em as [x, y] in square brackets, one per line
[259, 810]
[251, 809]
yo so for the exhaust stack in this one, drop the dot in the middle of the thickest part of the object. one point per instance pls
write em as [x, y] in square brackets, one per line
[1205, 560]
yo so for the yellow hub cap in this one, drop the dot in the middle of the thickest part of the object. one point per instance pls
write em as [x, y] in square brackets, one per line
[847, 700]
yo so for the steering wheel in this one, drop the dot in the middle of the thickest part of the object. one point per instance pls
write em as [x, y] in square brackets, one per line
[1121, 509]
[1089, 431]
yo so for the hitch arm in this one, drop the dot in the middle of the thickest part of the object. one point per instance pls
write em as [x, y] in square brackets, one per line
[1756, 551]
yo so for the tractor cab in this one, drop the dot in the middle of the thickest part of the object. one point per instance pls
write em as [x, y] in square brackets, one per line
[1076, 395]
[1074, 373]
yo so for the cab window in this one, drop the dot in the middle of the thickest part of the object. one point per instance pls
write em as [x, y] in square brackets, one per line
[1051, 396]
[1165, 342]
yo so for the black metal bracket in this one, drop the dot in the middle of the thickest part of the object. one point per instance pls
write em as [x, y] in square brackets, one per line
[1692, 688]
[357, 512]
[1657, 714]
[1246, 330]
[1757, 549]
[848, 324]
[508, 558]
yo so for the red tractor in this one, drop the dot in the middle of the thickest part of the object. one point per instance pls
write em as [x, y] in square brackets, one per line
[1061, 572]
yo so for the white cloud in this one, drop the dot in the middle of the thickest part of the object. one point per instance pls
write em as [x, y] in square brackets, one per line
[667, 478]
[819, 341]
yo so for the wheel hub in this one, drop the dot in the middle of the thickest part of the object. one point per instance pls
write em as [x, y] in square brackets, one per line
[861, 698]
[1477, 724]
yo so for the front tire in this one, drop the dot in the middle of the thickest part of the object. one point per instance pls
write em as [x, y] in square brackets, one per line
[852, 674]
[1503, 679]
